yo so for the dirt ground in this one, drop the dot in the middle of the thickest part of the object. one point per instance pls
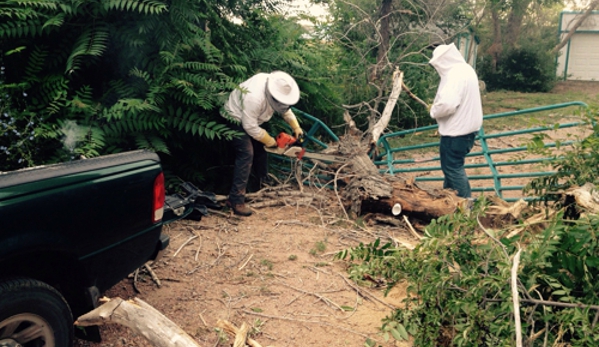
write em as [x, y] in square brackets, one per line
[274, 271]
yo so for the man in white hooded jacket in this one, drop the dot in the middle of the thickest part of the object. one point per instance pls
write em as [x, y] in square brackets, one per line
[248, 107]
[458, 111]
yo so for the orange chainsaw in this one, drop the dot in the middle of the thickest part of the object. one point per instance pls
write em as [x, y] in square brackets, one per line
[290, 146]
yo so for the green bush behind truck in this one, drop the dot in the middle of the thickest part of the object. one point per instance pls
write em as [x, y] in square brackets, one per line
[69, 232]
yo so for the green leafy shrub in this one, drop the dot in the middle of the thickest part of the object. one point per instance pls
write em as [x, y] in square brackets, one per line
[522, 70]
[459, 283]
[576, 167]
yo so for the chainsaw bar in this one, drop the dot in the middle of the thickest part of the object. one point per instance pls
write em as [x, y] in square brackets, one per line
[294, 151]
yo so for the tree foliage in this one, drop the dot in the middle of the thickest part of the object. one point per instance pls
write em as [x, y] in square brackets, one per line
[109, 76]
[375, 38]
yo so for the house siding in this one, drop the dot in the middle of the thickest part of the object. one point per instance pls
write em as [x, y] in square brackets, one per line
[579, 58]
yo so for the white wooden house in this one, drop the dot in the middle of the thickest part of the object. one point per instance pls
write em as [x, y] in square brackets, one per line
[579, 58]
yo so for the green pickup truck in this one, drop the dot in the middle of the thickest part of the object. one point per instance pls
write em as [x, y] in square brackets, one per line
[69, 232]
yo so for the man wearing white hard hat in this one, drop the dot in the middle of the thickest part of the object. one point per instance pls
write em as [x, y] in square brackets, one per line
[458, 111]
[248, 107]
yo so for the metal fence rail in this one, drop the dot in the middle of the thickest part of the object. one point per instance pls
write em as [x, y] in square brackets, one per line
[398, 160]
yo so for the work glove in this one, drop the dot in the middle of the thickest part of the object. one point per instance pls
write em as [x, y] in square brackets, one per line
[268, 140]
[297, 131]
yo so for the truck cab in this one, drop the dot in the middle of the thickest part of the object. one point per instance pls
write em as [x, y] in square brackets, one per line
[69, 232]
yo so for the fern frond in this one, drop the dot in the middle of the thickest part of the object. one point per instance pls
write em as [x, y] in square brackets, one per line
[152, 143]
[55, 21]
[143, 6]
[21, 28]
[89, 43]
[36, 63]
[45, 4]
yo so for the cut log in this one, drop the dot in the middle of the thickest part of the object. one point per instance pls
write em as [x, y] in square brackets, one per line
[422, 203]
[140, 317]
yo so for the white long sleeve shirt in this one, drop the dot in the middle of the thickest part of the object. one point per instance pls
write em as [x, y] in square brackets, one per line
[457, 107]
[249, 105]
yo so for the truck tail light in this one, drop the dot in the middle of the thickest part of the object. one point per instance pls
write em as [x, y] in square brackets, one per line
[158, 205]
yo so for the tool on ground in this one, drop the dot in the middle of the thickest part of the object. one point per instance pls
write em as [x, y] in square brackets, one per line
[290, 146]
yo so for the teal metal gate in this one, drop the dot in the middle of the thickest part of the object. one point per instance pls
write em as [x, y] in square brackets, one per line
[500, 163]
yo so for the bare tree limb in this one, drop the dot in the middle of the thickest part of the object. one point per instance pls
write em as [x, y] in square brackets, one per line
[588, 11]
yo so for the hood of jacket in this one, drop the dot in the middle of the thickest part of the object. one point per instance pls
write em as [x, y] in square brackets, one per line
[445, 57]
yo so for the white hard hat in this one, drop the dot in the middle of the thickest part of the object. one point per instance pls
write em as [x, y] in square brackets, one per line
[283, 88]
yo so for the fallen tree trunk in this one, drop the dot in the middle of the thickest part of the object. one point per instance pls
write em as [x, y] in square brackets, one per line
[367, 190]
[410, 199]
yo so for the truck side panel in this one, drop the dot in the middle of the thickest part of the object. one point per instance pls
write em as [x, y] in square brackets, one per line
[99, 215]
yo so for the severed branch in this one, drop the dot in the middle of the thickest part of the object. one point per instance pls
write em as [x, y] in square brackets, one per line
[361, 292]
[382, 123]
[140, 317]
[412, 95]
[184, 244]
[153, 274]
[516, 297]
[320, 297]
[240, 334]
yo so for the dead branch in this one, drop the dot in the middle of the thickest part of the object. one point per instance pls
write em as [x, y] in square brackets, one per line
[152, 274]
[370, 295]
[135, 276]
[516, 297]
[411, 228]
[382, 123]
[320, 297]
[140, 317]
[184, 244]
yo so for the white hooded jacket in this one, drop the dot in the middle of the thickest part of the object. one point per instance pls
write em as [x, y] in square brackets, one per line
[251, 108]
[457, 106]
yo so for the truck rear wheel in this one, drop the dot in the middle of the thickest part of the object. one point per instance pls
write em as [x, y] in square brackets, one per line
[33, 313]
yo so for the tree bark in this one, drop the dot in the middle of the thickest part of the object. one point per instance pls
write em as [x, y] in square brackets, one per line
[415, 201]
[496, 48]
[514, 23]
[142, 318]
[383, 32]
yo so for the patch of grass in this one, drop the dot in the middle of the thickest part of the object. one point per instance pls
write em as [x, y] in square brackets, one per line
[264, 290]
[256, 327]
[267, 263]
[319, 247]
[292, 257]
[321, 264]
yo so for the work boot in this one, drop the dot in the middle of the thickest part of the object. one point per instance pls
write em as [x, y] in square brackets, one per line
[240, 209]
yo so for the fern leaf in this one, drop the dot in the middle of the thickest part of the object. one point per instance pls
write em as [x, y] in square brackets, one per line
[91, 43]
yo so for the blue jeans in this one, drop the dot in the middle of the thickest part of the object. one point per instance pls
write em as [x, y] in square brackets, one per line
[249, 154]
[453, 151]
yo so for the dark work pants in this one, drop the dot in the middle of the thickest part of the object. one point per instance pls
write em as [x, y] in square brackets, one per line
[249, 154]
[453, 151]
